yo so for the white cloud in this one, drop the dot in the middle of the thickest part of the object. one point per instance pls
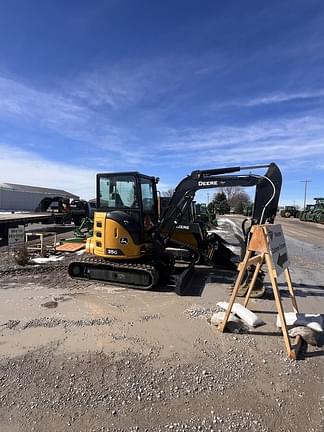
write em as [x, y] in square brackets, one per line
[25, 101]
[272, 98]
[57, 112]
[22, 167]
[127, 84]
[73, 117]
[87, 112]
[287, 140]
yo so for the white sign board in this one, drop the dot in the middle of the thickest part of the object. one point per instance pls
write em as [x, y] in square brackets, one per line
[16, 236]
[278, 248]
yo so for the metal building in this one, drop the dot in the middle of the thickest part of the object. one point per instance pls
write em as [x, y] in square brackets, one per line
[16, 197]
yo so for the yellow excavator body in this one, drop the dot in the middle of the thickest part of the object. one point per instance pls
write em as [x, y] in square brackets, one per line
[112, 240]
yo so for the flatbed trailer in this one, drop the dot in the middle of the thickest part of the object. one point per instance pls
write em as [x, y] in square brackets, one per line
[13, 220]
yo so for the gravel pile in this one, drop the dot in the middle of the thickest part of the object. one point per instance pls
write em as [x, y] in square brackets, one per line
[52, 274]
[40, 383]
[133, 392]
[55, 322]
[198, 311]
[150, 317]
[235, 421]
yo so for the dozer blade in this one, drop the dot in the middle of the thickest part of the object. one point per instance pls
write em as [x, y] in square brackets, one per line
[181, 278]
[184, 279]
[131, 275]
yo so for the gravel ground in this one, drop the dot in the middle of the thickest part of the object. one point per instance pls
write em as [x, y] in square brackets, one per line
[84, 356]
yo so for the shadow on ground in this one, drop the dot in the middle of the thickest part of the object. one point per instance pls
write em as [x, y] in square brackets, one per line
[200, 278]
[300, 290]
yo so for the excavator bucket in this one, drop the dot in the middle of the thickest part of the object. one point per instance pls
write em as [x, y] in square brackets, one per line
[267, 196]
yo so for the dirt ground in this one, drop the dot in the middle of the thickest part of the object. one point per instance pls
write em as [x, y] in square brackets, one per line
[84, 356]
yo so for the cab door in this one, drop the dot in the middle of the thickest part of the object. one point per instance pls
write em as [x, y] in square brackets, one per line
[149, 202]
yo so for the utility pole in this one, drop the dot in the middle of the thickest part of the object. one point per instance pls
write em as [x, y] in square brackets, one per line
[305, 193]
[207, 198]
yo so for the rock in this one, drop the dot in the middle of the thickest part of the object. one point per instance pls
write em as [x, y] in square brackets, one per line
[50, 304]
[21, 256]
[307, 334]
[313, 321]
[234, 324]
[245, 314]
[218, 317]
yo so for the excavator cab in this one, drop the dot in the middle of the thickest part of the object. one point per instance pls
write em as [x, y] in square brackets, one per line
[125, 212]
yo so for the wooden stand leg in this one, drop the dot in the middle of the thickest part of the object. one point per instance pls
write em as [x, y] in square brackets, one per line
[296, 348]
[291, 289]
[252, 283]
[235, 291]
[279, 307]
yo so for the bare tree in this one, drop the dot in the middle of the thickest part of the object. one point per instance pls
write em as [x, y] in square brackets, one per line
[168, 193]
[236, 196]
[230, 192]
[240, 200]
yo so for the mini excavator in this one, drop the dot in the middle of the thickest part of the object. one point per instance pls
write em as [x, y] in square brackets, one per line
[131, 237]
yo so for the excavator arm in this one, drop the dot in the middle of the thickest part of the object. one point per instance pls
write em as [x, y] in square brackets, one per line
[266, 195]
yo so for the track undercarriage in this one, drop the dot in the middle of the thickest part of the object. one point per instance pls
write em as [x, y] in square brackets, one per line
[143, 276]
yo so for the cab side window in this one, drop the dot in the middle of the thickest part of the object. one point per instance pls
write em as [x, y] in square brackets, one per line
[147, 196]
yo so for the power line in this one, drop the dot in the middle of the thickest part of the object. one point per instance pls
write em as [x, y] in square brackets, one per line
[305, 192]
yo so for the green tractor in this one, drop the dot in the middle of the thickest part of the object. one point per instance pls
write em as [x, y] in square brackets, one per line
[306, 213]
[289, 211]
[206, 213]
[247, 209]
[313, 212]
[318, 212]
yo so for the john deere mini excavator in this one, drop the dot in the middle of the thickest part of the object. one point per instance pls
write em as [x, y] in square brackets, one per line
[130, 238]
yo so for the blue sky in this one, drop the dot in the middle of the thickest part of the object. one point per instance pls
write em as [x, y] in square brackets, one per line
[162, 87]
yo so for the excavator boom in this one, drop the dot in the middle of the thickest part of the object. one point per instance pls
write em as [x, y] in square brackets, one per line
[266, 200]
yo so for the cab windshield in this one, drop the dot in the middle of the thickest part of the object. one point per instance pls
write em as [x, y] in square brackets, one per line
[118, 192]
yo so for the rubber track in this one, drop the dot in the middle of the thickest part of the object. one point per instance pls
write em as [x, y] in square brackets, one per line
[113, 265]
